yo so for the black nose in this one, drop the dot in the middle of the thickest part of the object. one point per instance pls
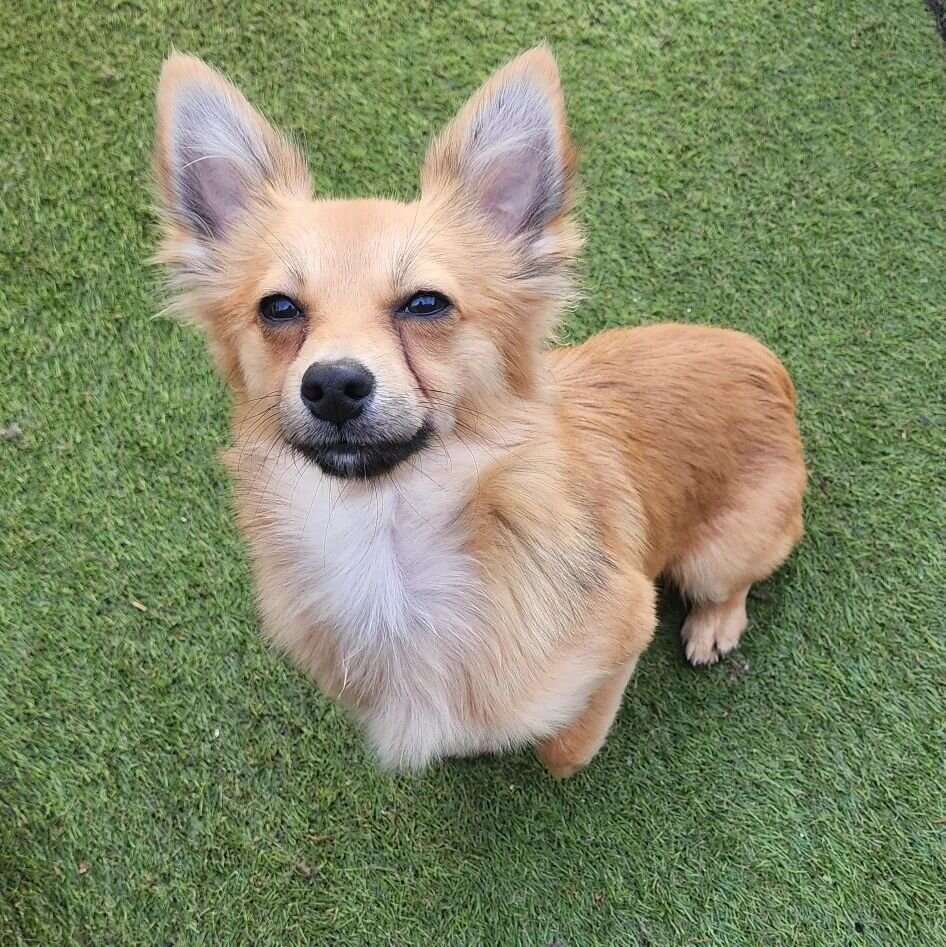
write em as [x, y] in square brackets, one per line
[336, 391]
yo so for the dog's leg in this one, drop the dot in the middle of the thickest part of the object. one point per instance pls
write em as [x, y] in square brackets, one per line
[575, 747]
[744, 545]
[713, 629]
[621, 630]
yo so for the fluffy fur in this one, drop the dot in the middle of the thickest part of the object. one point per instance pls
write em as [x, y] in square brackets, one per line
[496, 588]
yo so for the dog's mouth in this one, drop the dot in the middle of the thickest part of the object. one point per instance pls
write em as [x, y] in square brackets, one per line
[363, 460]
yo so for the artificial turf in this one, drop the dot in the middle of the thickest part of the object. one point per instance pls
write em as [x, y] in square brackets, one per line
[164, 779]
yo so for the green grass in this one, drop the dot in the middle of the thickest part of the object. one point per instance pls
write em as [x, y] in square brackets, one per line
[780, 168]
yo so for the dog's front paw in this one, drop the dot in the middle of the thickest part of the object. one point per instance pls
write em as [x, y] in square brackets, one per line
[563, 770]
[560, 758]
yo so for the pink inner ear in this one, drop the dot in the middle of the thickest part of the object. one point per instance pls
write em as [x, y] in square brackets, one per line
[221, 190]
[511, 162]
[215, 154]
[509, 197]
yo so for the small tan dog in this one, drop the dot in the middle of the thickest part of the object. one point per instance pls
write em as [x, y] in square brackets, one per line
[453, 530]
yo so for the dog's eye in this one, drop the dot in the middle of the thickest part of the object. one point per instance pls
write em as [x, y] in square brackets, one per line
[424, 305]
[278, 309]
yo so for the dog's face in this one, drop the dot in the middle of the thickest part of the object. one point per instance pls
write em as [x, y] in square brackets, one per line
[367, 326]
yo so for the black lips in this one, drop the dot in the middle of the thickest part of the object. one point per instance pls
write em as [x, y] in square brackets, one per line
[362, 461]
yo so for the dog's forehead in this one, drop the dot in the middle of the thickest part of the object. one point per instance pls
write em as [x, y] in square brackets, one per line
[358, 233]
[370, 244]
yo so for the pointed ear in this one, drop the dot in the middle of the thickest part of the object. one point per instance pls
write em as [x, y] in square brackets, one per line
[508, 149]
[214, 153]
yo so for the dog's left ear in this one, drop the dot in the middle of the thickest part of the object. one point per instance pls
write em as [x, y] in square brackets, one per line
[507, 153]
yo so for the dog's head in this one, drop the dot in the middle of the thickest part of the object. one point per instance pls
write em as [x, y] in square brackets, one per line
[369, 325]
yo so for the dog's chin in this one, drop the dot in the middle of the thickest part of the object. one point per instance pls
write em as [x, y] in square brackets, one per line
[361, 461]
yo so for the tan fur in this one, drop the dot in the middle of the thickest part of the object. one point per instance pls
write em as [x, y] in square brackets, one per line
[498, 587]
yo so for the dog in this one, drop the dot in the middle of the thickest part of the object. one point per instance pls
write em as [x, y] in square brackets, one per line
[454, 528]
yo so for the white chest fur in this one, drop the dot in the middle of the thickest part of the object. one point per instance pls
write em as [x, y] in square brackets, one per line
[373, 590]
[370, 588]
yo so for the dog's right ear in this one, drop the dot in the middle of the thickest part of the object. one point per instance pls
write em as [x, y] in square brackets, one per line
[215, 157]
[508, 152]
